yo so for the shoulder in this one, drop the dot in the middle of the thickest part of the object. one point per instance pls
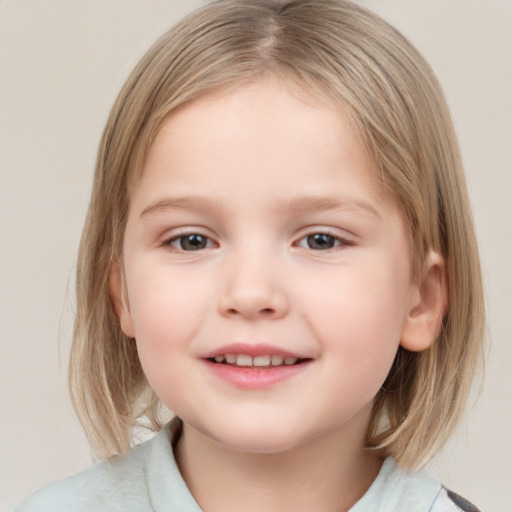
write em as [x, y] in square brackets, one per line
[146, 479]
[114, 485]
[451, 501]
[405, 491]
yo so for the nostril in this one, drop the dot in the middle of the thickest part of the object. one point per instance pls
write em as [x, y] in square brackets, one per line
[264, 311]
[244, 301]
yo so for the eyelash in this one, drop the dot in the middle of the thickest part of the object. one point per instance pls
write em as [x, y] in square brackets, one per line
[169, 242]
[337, 240]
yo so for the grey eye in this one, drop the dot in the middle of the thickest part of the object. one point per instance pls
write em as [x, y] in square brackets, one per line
[191, 242]
[319, 242]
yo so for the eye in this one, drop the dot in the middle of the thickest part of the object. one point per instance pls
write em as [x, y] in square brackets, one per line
[321, 241]
[190, 242]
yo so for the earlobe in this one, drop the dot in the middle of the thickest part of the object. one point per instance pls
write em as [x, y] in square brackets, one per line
[428, 306]
[119, 298]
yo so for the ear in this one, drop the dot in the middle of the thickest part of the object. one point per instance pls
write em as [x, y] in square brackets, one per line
[119, 298]
[428, 304]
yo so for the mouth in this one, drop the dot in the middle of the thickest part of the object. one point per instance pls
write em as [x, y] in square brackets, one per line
[264, 361]
[255, 366]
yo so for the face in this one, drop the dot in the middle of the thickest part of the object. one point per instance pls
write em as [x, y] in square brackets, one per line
[267, 276]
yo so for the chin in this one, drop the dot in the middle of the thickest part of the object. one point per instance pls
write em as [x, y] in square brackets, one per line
[258, 440]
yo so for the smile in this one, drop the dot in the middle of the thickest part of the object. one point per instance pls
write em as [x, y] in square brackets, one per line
[256, 377]
[260, 361]
[255, 365]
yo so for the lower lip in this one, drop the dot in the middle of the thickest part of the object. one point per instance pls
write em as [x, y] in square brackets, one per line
[255, 378]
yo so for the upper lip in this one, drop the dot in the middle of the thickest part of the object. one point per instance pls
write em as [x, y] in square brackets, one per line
[253, 350]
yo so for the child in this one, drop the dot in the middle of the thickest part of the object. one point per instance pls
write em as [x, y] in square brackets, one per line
[279, 249]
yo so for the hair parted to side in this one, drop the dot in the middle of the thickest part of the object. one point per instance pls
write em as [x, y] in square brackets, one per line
[360, 64]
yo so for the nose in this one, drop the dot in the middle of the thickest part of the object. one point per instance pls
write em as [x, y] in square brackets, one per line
[253, 289]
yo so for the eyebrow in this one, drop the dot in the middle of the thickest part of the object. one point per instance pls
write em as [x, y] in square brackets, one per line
[324, 203]
[296, 204]
[199, 203]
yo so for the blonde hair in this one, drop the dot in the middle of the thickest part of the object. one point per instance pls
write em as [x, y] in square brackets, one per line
[360, 63]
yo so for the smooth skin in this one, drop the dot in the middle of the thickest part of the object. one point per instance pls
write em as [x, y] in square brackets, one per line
[258, 219]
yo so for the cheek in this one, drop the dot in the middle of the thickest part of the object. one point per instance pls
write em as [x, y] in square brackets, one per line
[166, 312]
[360, 324]
[358, 299]
[164, 302]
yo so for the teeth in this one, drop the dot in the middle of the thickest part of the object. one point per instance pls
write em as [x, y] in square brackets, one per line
[243, 360]
[277, 360]
[257, 361]
[261, 361]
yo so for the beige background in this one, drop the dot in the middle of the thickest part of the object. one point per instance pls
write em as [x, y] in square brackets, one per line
[61, 64]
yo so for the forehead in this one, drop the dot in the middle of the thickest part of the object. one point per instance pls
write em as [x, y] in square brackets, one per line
[253, 139]
[273, 114]
[307, 92]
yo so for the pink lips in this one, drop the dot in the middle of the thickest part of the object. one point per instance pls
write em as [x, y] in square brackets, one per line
[259, 349]
[251, 377]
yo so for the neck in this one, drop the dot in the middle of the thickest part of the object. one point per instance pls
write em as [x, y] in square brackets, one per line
[329, 473]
